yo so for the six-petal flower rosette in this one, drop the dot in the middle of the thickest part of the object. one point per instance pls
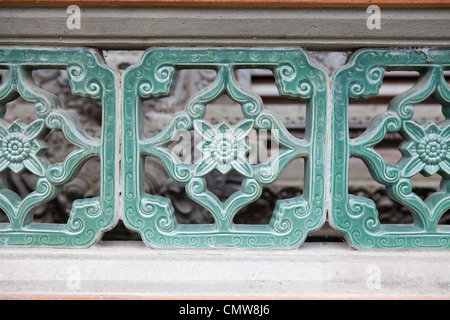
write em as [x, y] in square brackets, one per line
[224, 147]
[22, 147]
[427, 150]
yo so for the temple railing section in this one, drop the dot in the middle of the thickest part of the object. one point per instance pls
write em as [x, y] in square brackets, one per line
[191, 147]
[425, 150]
[23, 148]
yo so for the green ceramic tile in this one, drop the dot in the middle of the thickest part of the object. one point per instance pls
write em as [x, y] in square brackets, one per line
[223, 149]
[23, 148]
[425, 150]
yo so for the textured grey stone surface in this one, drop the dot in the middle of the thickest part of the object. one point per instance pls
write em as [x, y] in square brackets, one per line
[140, 28]
[316, 270]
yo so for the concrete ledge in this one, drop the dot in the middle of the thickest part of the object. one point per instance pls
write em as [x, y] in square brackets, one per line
[131, 270]
[140, 28]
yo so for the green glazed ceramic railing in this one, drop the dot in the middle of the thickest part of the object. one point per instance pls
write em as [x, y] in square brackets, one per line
[424, 150]
[23, 148]
[154, 217]
[325, 149]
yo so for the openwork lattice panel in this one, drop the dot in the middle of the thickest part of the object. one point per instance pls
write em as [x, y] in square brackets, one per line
[425, 150]
[224, 148]
[23, 147]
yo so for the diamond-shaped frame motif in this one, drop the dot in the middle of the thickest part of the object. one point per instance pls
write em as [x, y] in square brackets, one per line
[22, 147]
[153, 216]
[425, 150]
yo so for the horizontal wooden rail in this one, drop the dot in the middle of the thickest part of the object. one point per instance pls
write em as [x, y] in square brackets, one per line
[233, 3]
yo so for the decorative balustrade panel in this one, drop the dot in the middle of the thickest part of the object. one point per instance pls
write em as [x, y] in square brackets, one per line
[23, 148]
[224, 148]
[425, 150]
